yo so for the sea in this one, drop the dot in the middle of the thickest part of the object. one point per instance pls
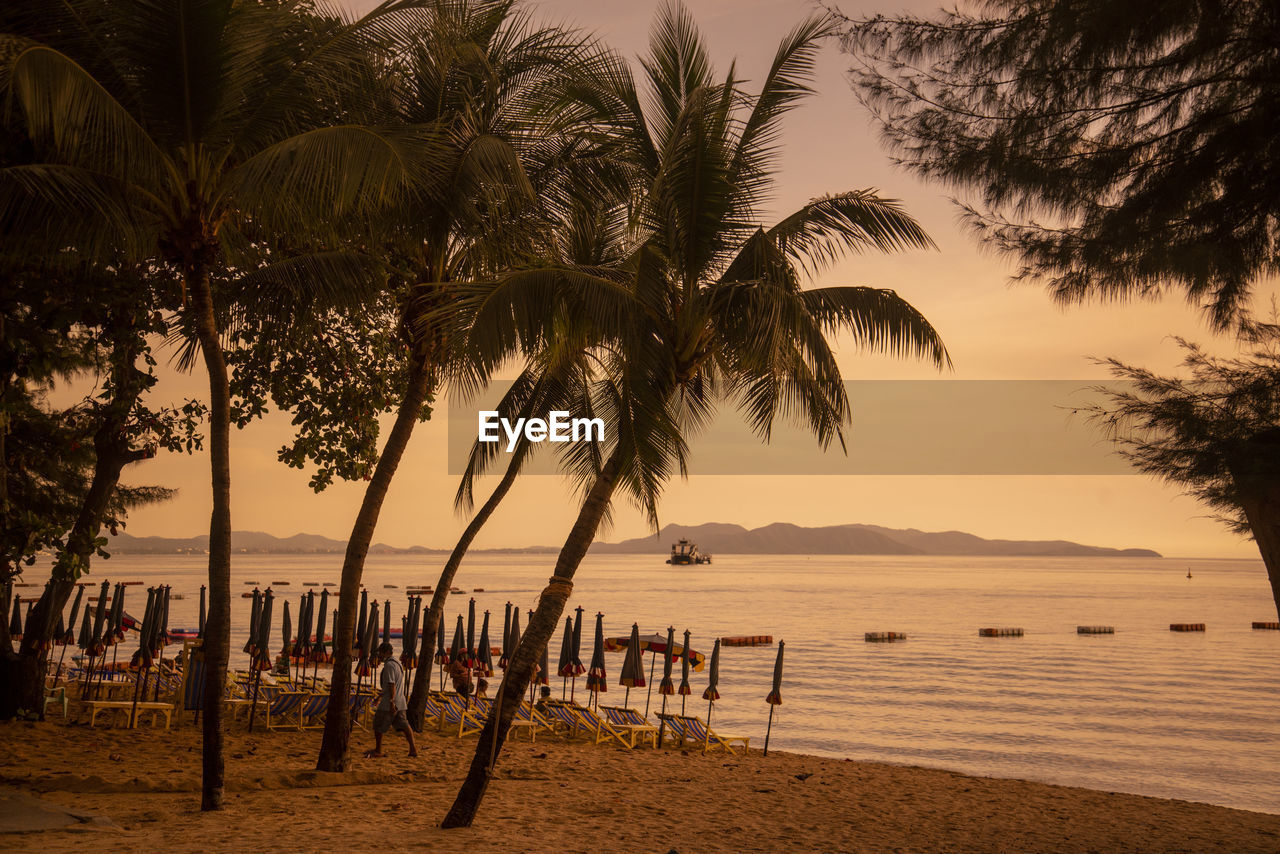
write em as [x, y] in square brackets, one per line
[1145, 710]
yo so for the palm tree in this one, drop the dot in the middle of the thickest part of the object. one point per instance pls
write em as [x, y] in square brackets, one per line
[188, 130]
[709, 310]
[488, 78]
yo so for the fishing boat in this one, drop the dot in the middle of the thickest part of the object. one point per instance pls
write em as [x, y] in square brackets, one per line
[684, 553]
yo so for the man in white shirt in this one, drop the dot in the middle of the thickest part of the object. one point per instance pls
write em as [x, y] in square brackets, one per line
[391, 705]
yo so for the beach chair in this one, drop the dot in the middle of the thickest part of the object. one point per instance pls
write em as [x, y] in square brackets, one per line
[455, 718]
[699, 733]
[57, 697]
[100, 707]
[314, 708]
[600, 729]
[562, 719]
[674, 729]
[285, 710]
[361, 702]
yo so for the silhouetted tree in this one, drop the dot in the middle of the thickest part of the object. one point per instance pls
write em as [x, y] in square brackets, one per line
[1214, 432]
[1118, 150]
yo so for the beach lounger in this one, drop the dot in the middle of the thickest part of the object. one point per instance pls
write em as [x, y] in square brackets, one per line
[98, 707]
[600, 729]
[674, 729]
[699, 733]
[284, 710]
[455, 718]
[314, 708]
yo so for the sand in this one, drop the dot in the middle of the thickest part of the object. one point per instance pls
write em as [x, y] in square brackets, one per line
[560, 796]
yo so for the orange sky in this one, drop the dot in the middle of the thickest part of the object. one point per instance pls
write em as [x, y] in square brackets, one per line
[993, 331]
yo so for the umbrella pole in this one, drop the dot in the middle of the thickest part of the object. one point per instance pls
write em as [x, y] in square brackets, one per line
[133, 713]
[564, 687]
[707, 744]
[159, 667]
[573, 687]
[351, 719]
[662, 720]
[626, 701]
[115, 650]
[253, 707]
[768, 731]
[58, 673]
[653, 659]
[88, 679]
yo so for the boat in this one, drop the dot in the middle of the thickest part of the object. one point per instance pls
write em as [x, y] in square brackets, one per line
[684, 553]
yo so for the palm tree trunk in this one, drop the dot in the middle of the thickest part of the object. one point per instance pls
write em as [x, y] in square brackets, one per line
[422, 680]
[542, 625]
[217, 637]
[337, 728]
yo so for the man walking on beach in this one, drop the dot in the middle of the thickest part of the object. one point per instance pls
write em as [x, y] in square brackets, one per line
[391, 705]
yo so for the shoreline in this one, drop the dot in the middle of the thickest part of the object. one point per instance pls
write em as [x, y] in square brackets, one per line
[567, 796]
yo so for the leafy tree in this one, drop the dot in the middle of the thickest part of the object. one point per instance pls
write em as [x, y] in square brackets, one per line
[707, 310]
[198, 128]
[1118, 150]
[1214, 431]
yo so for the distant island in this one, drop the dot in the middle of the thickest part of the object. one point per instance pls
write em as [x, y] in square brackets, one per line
[714, 537]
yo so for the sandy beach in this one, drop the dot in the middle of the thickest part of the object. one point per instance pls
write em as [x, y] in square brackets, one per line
[562, 796]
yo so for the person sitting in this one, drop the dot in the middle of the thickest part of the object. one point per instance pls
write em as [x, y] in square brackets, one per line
[460, 673]
[482, 688]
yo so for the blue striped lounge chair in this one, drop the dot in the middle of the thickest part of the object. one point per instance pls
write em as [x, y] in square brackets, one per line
[699, 733]
[284, 711]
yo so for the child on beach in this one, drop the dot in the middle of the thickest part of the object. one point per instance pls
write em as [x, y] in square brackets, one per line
[391, 705]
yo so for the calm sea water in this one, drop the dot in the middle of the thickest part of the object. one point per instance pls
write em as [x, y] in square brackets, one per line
[1146, 710]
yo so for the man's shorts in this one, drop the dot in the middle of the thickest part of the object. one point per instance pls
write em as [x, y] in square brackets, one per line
[385, 719]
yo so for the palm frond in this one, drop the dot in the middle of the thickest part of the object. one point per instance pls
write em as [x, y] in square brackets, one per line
[827, 227]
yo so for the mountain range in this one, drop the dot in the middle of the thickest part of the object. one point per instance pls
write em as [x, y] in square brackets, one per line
[715, 538]
[785, 538]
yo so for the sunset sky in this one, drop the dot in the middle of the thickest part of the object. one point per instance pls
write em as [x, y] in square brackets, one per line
[993, 330]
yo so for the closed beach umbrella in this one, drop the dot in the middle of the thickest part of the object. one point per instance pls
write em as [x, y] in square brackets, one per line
[362, 616]
[565, 668]
[442, 654]
[60, 632]
[386, 621]
[513, 639]
[15, 621]
[262, 654]
[142, 655]
[363, 666]
[684, 690]
[99, 620]
[409, 637]
[163, 626]
[200, 625]
[484, 654]
[471, 633]
[86, 633]
[632, 667]
[667, 687]
[458, 652]
[775, 696]
[302, 649]
[505, 658]
[578, 668]
[596, 677]
[254, 611]
[46, 622]
[75, 612]
[286, 630]
[544, 670]
[319, 653]
[713, 679]
[117, 615]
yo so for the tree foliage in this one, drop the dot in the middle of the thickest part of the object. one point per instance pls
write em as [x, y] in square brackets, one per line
[1214, 430]
[1118, 150]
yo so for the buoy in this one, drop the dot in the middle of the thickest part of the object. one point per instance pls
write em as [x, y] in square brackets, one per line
[747, 640]
[1186, 627]
[875, 637]
[1095, 630]
[1000, 633]
[1263, 625]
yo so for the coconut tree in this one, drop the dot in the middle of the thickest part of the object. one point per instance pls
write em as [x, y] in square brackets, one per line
[708, 310]
[188, 131]
[490, 79]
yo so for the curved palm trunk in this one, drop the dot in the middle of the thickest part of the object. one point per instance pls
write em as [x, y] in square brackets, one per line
[422, 680]
[217, 638]
[542, 625]
[337, 725]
